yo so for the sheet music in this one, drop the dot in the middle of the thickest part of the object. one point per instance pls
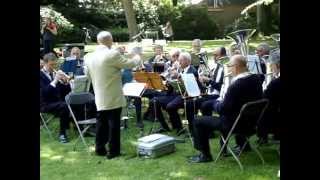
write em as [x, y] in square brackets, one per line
[80, 84]
[133, 89]
[191, 85]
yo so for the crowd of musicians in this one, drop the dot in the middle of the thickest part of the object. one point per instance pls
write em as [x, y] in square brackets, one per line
[227, 81]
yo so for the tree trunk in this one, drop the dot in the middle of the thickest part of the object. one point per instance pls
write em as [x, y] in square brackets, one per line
[130, 17]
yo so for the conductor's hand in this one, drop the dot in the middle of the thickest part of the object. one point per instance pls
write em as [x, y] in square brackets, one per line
[121, 49]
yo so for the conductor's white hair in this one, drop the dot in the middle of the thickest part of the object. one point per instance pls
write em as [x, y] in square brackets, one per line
[175, 51]
[186, 56]
[103, 36]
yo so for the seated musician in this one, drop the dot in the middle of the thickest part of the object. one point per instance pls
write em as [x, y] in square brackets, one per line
[270, 123]
[245, 87]
[54, 87]
[196, 53]
[170, 73]
[213, 81]
[156, 62]
[73, 63]
[256, 63]
[173, 101]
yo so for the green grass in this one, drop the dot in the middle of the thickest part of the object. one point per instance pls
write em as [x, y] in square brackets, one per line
[60, 161]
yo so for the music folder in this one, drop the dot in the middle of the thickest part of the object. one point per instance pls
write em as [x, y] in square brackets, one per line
[80, 84]
[153, 80]
[133, 89]
[191, 85]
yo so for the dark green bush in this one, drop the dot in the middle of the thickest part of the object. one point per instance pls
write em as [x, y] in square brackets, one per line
[120, 34]
[194, 22]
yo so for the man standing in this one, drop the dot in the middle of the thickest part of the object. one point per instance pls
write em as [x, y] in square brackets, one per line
[48, 31]
[104, 69]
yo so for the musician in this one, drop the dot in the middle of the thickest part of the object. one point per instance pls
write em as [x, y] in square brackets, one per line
[168, 32]
[48, 31]
[171, 72]
[156, 62]
[104, 69]
[245, 87]
[172, 102]
[214, 82]
[54, 87]
[41, 64]
[73, 63]
[257, 63]
[196, 51]
[270, 123]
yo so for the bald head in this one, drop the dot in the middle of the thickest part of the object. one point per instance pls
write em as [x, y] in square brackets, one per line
[237, 64]
[105, 38]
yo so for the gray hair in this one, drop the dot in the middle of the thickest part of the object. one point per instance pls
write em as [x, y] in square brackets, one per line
[104, 36]
[49, 57]
[274, 57]
[197, 41]
[174, 51]
[186, 56]
[264, 46]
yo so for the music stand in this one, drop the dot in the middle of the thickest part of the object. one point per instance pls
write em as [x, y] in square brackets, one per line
[192, 90]
[153, 81]
[133, 90]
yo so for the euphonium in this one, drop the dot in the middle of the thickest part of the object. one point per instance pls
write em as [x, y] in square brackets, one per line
[241, 38]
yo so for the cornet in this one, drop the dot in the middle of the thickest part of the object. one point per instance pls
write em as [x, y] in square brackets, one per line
[66, 78]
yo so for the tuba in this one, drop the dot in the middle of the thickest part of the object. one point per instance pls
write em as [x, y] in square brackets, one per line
[241, 38]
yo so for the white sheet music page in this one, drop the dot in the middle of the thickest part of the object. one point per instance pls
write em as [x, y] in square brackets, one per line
[80, 84]
[133, 89]
[191, 85]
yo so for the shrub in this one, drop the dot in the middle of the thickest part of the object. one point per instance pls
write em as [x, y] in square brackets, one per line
[194, 22]
[120, 34]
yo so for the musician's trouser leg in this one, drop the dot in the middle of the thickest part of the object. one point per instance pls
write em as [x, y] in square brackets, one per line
[206, 106]
[162, 102]
[203, 127]
[172, 109]
[61, 110]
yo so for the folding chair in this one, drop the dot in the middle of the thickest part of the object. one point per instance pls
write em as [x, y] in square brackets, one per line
[81, 99]
[45, 122]
[245, 124]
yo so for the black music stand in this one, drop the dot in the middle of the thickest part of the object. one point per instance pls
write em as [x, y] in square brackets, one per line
[132, 90]
[153, 81]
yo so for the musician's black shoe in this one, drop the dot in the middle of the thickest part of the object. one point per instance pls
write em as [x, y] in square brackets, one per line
[201, 158]
[63, 138]
[101, 151]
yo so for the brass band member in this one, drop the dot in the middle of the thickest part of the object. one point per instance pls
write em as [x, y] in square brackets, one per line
[214, 82]
[172, 102]
[54, 87]
[196, 50]
[156, 62]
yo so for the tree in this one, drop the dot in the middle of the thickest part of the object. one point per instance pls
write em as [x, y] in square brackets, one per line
[130, 17]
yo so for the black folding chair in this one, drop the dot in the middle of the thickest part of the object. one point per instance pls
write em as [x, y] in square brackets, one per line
[245, 124]
[81, 99]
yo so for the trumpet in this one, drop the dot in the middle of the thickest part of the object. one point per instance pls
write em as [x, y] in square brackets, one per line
[66, 78]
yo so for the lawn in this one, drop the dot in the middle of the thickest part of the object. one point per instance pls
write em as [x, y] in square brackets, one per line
[61, 162]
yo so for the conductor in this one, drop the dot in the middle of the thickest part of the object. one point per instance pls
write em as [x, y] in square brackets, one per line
[104, 69]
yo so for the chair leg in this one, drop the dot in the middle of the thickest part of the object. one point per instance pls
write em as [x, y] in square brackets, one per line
[230, 150]
[45, 126]
[256, 151]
